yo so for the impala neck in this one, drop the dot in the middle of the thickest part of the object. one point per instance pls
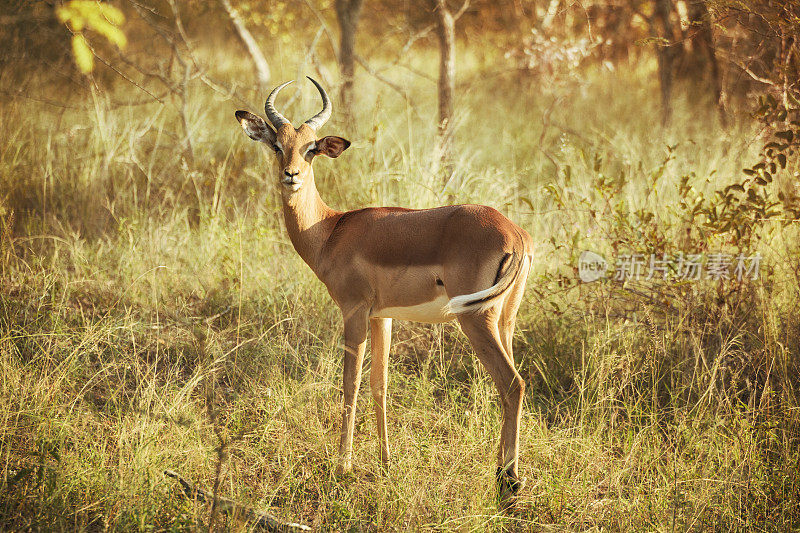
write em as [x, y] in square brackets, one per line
[309, 221]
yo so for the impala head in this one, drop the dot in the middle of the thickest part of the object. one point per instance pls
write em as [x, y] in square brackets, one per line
[295, 148]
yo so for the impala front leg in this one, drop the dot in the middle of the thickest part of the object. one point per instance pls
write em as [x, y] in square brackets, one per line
[355, 341]
[381, 338]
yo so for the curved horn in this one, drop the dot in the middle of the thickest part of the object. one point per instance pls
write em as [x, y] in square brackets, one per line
[322, 117]
[276, 118]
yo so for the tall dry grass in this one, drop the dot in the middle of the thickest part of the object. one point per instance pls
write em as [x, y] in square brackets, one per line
[154, 315]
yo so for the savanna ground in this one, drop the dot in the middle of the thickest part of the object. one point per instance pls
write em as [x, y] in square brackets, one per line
[154, 315]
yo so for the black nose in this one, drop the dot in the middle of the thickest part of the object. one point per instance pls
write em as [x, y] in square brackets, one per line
[291, 173]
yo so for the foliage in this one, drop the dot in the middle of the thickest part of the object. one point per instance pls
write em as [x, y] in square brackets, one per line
[550, 58]
[153, 313]
[89, 15]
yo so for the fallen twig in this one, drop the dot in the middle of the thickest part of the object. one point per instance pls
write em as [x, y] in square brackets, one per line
[230, 507]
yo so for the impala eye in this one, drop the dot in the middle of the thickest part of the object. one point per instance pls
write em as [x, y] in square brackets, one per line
[312, 150]
[276, 148]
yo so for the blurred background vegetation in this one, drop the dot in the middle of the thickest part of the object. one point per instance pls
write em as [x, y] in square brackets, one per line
[154, 315]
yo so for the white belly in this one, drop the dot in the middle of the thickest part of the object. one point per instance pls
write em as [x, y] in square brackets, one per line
[432, 312]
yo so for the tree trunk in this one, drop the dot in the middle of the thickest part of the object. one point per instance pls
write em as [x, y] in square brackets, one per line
[703, 42]
[446, 33]
[347, 13]
[661, 28]
[259, 61]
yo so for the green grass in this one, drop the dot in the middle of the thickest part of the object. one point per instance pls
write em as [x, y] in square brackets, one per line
[154, 315]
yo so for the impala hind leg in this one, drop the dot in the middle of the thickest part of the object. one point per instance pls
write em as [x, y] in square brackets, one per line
[484, 335]
[508, 314]
[355, 341]
[381, 335]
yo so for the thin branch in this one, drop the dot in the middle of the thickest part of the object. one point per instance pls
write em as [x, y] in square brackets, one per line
[312, 58]
[230, 507]
[24, 94]
[361, 61]
[752, 74]
[121, 74]
[418, 72]
[200, 73]
[182, 33]
[148, 8]
[256, 55]
[223, 90]
[406, 47]
[328, 32]
[461, 10]
[413, 39]
[170, 86]
[126, 78]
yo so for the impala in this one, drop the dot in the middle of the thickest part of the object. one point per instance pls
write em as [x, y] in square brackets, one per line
[463, 262]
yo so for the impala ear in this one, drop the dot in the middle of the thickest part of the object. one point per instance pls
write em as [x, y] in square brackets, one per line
[255, 127]
[332, 146]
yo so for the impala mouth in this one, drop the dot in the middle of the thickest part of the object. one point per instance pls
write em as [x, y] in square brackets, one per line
[292, 183]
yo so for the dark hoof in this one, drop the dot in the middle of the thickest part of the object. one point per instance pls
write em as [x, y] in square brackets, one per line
[508, 484]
